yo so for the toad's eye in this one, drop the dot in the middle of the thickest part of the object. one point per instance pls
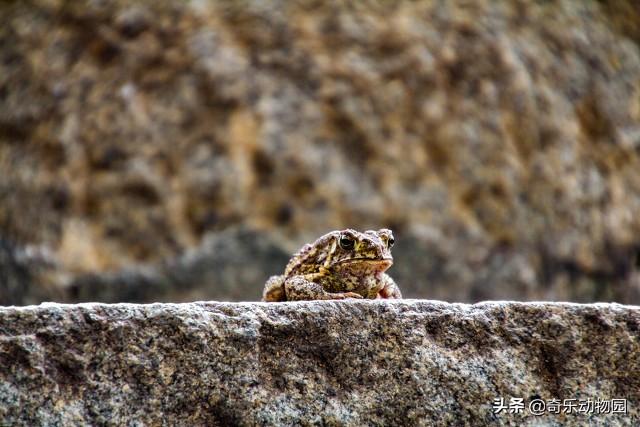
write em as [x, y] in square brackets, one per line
[390, 242]
[346, 242]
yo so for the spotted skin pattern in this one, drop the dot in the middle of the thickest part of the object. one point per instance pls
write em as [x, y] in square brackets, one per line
[341, 264]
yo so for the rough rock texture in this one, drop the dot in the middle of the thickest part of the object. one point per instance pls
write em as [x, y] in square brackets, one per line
[320, 363]
[499, 139]
[22, 270]
[219, 269]
[15, 277]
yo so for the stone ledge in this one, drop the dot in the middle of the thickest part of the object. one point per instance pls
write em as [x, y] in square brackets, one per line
[410, 362]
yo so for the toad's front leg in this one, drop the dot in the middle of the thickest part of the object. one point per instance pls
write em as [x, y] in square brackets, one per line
[301, 288]
[389, 289]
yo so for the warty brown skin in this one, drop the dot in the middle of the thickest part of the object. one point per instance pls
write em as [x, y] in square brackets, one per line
[341, 264]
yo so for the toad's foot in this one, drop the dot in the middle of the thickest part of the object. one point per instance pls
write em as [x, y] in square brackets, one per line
[274, 289]
[343, 295]
[389, 289]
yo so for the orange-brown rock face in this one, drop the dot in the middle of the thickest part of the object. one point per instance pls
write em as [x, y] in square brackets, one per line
[499, 140]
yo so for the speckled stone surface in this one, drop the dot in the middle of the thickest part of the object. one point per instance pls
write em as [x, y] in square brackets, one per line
[410, 362]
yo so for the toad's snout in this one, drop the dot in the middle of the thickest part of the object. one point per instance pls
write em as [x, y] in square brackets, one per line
[374, 249]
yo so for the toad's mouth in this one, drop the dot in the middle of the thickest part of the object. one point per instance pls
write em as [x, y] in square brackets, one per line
[388, 262]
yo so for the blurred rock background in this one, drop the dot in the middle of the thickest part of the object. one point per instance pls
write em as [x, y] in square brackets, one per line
[174, 151]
